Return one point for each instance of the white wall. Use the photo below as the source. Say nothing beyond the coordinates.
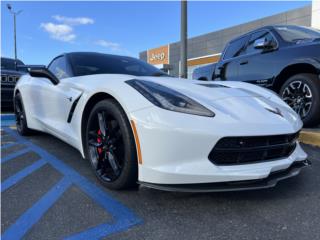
(315, 21)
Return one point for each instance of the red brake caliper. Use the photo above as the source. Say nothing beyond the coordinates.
(99, 141)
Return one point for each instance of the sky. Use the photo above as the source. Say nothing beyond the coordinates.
(47, 29)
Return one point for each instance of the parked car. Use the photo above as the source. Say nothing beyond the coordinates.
(136, 124)
(204, 73)
(285, 59)
(9, 77)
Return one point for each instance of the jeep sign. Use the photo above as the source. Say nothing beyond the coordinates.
(158, 55)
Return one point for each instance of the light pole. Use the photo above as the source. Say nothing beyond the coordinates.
(183, 40)
(14, 28)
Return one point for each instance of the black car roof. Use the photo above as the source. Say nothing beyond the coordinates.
(12, 59)
(92, 53)
(268, 27)
(88, 53)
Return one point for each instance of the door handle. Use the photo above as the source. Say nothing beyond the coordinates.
(69, 98)
(244, 62)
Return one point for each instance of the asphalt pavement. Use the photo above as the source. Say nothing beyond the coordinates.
(50, 192)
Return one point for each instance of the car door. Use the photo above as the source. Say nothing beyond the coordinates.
(257, 65)
(227, 68)
(54, 102)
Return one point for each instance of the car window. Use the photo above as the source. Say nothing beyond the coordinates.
(94, 63)
(255, 36)
(234, 48)
(297, 33)
(135, 69)
(59, 67)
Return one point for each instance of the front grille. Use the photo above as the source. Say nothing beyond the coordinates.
(9, 79)
(4, 79)
(241, 150)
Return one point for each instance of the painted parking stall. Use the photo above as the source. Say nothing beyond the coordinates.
(47, 197)
(7, 120)
(122, 217)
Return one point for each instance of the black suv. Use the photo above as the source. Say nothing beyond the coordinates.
(9, 77)
(283, 58)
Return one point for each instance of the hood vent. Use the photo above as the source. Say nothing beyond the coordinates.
(213, 85)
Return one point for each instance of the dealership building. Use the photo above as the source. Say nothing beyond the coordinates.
(206, 48)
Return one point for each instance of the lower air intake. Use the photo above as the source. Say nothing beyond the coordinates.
(243, 150)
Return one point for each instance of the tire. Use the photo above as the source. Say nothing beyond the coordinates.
(20, 115)
(111, 149)
(304, 99)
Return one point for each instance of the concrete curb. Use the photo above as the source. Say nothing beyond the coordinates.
(310, 137)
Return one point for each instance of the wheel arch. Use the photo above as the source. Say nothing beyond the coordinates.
(292, 70)
(16, 91)
(94, 99)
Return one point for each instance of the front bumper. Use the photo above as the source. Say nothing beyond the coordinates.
(270, 181)
(175, 147)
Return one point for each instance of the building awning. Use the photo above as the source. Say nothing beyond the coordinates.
(204, 60)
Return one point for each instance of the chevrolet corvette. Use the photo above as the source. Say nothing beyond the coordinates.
(137, 125)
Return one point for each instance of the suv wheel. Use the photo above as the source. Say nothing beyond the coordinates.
(302, 93)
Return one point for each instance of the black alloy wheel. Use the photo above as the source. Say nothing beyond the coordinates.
(110, 146)
(302, 93)
(298, 96)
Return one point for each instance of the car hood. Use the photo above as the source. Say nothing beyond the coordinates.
(200, 90)
(204, 91)
(237, 100)
(228, 99)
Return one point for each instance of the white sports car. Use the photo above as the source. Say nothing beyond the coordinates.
(135, 124)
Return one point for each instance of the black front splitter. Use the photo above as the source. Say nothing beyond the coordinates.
(268, 182)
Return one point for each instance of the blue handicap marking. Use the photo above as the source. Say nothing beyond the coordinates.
(33, 214)
(14, 155)
(8, 145)
(20, 175)
(7, 120)
(123, 218)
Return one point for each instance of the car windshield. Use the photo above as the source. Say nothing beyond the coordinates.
(95, 63)
(296, 33)
(9, 64)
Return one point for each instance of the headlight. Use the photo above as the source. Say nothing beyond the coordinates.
(169, 99)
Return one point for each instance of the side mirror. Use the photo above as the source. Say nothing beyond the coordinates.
(43, 72)
(262, 43)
